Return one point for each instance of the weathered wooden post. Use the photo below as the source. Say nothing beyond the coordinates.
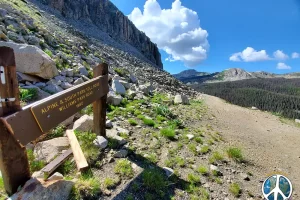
(13, 158)
(99, 106)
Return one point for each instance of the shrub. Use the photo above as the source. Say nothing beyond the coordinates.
(154, 180)
(235, 154)
(28, 94)
(235, 189)
(148, 121)
(132, 122)
(123, 167)
(168, 132)
(203, 170)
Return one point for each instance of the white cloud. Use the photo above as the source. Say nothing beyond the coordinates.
(250, 55)
(283, 66)
(295, 55)
(176, 30)
(279, 55)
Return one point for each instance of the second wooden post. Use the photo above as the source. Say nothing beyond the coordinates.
(99, 106)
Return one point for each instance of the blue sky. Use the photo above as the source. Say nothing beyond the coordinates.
(227, 29)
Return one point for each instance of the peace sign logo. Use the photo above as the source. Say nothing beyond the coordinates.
(277, 187)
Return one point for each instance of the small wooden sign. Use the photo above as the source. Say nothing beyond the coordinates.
(50, 112)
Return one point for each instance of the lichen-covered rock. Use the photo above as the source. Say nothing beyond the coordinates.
(32, 60)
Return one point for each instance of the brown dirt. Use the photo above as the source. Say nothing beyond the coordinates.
(271, 145)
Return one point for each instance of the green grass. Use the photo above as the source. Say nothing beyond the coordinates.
(67, 167)
(48, 52)
(160, 118)
(163, 111)
(35, 165)
(3, 194)
(28, 94)
(198, 140)
(235, 189)
(154, 180)
(235, 153)
(204, 149)
(123, 167)
(197, 193)
(113, 143)
(87, 110)
(120, 71)
(193, 178)
(215, 157)
(90, 151)
(152, 157)
(59, 131)
(141, 117)
(193, 148)
(86, 188)
(148, 122)
(110, 183)
(176, 161)
(203, 170)
(168, 132)
(129, 197)
(132, 122)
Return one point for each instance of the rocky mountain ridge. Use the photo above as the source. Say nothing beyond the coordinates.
(232, 74)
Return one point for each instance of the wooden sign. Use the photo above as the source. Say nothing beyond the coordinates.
(50, 112)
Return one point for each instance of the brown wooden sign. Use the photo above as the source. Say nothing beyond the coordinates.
(50, 112)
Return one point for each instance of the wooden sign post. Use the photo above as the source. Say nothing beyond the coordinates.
(13, 158)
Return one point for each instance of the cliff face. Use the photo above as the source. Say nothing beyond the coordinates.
(106, 16)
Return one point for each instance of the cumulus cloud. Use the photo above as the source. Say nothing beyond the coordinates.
(295, 55)
(176, 30)
(283, 66)
(250, 55)
(279, 55)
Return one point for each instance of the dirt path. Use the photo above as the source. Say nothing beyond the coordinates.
(272, 146)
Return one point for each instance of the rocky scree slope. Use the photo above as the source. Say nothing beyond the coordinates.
(103, 16)
(42, 41)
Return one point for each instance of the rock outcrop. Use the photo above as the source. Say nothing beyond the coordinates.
(107, 17)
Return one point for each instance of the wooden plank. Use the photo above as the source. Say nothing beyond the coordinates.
(77, 152)
(13, 158)
(9, 90)
(49, 113)
(99, 106)
(24, 125)
(53, 165)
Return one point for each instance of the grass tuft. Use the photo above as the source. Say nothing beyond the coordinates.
(235, 153)
(235, 189)
(148, 121)
(132, 122)
(168, 132)
(154, 180)
(123, 167)
(203, 170)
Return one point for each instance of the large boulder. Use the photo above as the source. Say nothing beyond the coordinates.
(84, 123)
(114, 99)
(181, 99)
(37, 189)
(118, 87)
(49, 149)
(32, 60)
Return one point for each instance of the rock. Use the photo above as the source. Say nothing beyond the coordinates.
(122, 130)
(118, 87)
(85, 78)
(68, 121)
(32, 60)
(42, 94)
(125, 84)
(254, 108)
(244, 176)
(78, 81)
(181, 99)
(112, 133)
(82, 70)
(47, 150)
(37, 189)
(131, 94)
(216, 169)
(70, 72)
(15, 37)
(121, 153)
(169, 172)
(114, 99)
(100, 142)
(52, 88)
(146, 89)
(132, 79)
(25, 77)
(190, 136)
(56, 176)
(33, 40)
(38, 174)
(108, 124)
(84, 123)
(297, 121)
(60, 78)
(3, 12)
(66, 85)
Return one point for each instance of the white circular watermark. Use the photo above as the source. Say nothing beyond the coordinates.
(277, 187)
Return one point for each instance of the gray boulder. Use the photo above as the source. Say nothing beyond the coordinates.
(78, 81)
(146, 89)
(66, 85)
(121, 153)
(113, 98)
(15, 37)
(125, 84)
(49, 149)
(84, 123)
(100, 142)
(82, 70)
(33, 40)
(32, 60)
(181, 99)
(53, 88)
(118, 87)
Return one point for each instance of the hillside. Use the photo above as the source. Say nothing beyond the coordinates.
(278, 95)
(232, 74)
